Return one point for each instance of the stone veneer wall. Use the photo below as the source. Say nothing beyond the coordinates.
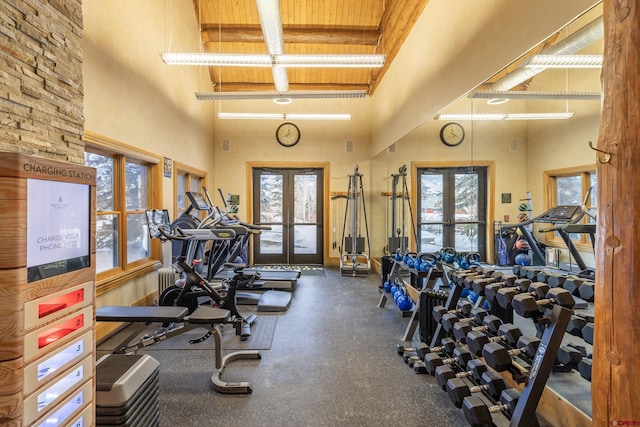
(41, 96)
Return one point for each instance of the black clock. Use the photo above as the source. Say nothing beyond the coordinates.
(288, 134)
(452, 134)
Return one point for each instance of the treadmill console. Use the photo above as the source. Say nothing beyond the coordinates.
(197, 201)
(562, 214)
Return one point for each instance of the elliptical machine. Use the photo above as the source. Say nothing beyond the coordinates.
(192, 287)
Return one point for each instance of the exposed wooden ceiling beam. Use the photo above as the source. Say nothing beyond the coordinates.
(253, 34)
(401, 16)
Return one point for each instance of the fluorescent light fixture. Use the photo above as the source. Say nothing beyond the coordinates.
(318, 116)
(278, 61)
(271, 116)
(510, 116)
(217, 59)
(565, 61)
(308, 94)
(271, 23)
(521, 94)
(330, 61)
(280, 79)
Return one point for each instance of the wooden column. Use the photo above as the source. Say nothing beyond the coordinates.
(616, 357)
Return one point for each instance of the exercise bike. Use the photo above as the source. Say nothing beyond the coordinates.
(192, 289)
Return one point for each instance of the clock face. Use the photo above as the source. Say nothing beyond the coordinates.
(452, 134)
(288, 134)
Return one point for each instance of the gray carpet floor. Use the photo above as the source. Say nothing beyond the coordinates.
(332, 362)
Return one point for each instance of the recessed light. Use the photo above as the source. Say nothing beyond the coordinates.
(282, 101)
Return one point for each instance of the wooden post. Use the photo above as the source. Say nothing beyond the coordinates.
(616, 361)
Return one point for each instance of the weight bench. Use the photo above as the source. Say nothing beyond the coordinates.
(209, 317)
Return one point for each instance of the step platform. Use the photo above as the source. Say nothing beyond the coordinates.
(127, 390)
(269, 301)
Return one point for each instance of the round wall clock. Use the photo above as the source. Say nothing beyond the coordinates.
(452, 134)
(288, 134)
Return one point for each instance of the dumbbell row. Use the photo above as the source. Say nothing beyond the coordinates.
(577, 286)
(464, 386)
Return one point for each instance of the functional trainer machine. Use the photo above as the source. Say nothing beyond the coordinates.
(354, 261)
(400, 203)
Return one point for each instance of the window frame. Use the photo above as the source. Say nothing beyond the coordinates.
(188, 173)
(551, 199)
(122, 153)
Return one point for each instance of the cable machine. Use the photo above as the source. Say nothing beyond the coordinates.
(353, 260)
(398, 238)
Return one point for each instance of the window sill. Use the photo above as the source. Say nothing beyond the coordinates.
(112, 281)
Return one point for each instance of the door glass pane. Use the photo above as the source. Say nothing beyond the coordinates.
(137, 237)
(106, 242)
(466, 237)
(180, 192)
(271, 200)
(271, 241)
(305, 199)
(431, 194)
(466, 196)
(569, 190)
(430, 237)
(104, 180)
(136, 186)
(305, 239)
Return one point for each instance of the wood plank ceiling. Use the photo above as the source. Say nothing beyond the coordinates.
(309, 27)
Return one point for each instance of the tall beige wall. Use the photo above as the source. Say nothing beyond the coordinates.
(132, 97)
(453, 47)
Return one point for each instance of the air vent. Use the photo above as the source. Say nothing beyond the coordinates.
(226, 145)
(348, 146)
(515, 145)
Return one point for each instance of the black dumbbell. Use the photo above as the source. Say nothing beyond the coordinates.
(478, 285)
(460, 355)
(584, 367)
(498, 356)
(475, 368)
(464, 308)
(508, 333)
(586, 291)
(491, 291)
(572, 284)
(575, 325)
(505, 296)
(477, 315)
(556, 280)
(527, 306)
(447, 345)
(490, 383)
(467, 282)
(531, 272)
(569, 356)
(543, 276)
(490, 323)
(478, 414)
(587, 333)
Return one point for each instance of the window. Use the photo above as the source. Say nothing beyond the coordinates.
(125, 188)
(571, 187)
(186, 179)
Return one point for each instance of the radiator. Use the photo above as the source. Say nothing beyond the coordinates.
(166, 278)
(428, 300)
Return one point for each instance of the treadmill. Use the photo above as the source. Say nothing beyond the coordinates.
(269, 301)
